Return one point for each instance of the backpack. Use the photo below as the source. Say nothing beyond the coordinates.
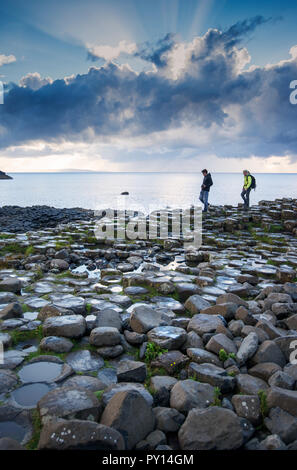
(253, 185)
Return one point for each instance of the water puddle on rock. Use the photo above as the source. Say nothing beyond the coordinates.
(27, 396)
(12, 430)
(40, 372)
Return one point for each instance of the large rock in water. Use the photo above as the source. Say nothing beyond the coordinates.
(68, 326)
(79, 435)
(129, 413)
(214, 428)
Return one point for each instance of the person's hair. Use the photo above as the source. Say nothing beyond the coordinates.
(204, 171)
(246, 171)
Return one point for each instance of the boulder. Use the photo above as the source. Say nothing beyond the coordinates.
(221, 341)
(248, 407)
(213, 375)
(284, 399)
(214, 428)
(105, 336)
(12, 310)
(202, 323)
(129, 413)
(77, 434)
(282, 423)
(144, 318)
(167, 337)
(196, 303)
(249, 385)
(70, 403)
(131, 371)
(109, 317)
(56, 344)
(168, 419)
(68, 326)
(11, 284)
(188, 394)
(247, 348)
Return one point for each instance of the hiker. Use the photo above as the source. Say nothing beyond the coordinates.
(249, 184)
(205, 187)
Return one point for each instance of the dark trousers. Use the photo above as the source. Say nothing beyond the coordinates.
(246, 197)
(204, 199)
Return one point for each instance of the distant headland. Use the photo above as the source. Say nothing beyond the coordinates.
(4, 176)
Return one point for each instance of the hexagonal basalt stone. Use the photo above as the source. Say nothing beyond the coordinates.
(105, 336)
(69, 402)
(56, 344)
(188, 394)
(131, 371)
(69, 301)
(79, 435)
(8, 380)
(69, 326)
(172, 361)
(167, 337)
(214, 428)
(84, 361)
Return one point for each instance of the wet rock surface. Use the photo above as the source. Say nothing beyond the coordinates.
(121, 344)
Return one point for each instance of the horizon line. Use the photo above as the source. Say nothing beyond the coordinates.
(145, 172)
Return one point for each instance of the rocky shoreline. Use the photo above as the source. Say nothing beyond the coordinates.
(18, 219)
(120, 344)
(4, 176)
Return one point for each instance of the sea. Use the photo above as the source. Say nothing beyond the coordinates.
(147, 191)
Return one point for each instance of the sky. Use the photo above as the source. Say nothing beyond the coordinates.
(132, 85)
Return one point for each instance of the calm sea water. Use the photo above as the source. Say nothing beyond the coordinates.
(147, 191)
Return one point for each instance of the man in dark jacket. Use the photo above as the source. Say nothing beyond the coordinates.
(205, 187)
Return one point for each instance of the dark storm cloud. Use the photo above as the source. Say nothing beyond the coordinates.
(155, 52)
(244, 112)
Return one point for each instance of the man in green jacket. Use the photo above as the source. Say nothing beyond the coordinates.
(246, 189)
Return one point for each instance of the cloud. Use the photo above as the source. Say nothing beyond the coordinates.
(109, 53)
(34, 81)
(199, 99)
(157, 52)
(6, 59)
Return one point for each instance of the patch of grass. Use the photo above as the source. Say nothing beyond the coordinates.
(223, 356)
(39, 352)
(20, 336)
(263, 403)
(274, 228)
(65, 274)
(6, 236)
(153, 351)
(37, 427)
(272, 263)
(88, 308)
(107, 364)
(193, 377)
(38, 274)
(29, 250)
(217, 400)
(25, 308)
(15, 248)
(99, 394)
